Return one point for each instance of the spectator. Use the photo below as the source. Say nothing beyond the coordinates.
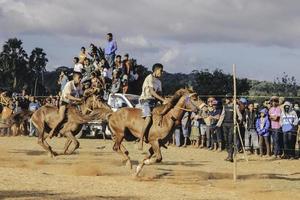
(275, 113)
(116, 82)
(82, 55)
(94, 52)
(262, 128)
(77, 66)
(289, 121)
(216, 136)
(110, 50)
(251, 137)
(63, 79)
(204, 121)
(195, 132)
(227, 122)
(297, 109)
(88, 69)
(33, 106)
(118, 63)
(209, 133)
(186, 125)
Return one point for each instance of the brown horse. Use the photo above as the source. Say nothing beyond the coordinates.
(6, 113)
(128, 121)
(44, 118)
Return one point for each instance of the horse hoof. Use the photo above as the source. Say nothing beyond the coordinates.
(138, 169)
(129, 164)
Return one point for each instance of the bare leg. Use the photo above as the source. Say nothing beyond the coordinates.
(61, 116)
(146, 125)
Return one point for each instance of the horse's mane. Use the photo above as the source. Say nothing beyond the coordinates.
(174, 99)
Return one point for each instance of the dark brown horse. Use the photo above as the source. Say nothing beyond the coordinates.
(128, 122)
(44, 118)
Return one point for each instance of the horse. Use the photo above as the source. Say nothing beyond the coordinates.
(128, 122)
(6, 113)
(44, 117)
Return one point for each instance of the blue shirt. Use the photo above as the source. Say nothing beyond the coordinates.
(111, 48)
(33, 106)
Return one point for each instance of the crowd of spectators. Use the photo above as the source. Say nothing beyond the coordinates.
(270, 129)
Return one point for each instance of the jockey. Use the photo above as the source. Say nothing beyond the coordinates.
(70, 94)
(150, 94)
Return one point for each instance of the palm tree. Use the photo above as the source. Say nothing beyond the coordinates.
(37, 64)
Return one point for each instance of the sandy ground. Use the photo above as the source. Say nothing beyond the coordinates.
(96, 172)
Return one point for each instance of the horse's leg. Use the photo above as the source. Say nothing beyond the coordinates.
(67, 145)
(73, 139)
(125, 153)
(42, 139)
(155, 149)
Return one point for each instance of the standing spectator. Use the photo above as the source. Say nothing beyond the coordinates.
(195, 132)
(275, 113)
(33, 106)
(289, 121)
(186, 127)
(110, 49)
(214, 116)
(63, 79)
(209, 133)
(82, 55)
(227, 122)
(251, 137)
(262, 128)
(204, 122)
(77, 66)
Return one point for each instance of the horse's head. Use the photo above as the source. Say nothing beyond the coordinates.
(187, 100)
(94, 102)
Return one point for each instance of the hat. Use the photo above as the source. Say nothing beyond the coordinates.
(214, 102)
(264, 110)
(287, 103)
(228, 96)
(243, 100)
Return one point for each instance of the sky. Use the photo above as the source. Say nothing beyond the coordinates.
(261, 37)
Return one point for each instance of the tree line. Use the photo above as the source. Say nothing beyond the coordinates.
(18, 71)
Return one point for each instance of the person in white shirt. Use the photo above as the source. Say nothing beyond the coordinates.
(150, 94)
(70, 94)
(78, 66)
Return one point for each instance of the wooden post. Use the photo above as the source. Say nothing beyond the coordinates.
(234, 125)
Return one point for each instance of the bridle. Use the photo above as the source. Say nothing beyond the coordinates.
(186, 102)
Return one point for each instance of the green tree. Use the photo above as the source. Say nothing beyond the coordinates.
(37, 64)
(14, 63)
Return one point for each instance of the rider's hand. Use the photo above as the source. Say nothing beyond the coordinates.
(166, 101)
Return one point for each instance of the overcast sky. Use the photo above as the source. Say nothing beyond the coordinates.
(262, 37)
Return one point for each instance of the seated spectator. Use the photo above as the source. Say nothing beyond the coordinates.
(94, 52)
(78, 67)
(289, 122)
(82, 55)
(118, 63)
(116, 82)
(88, 69)
(262, 128)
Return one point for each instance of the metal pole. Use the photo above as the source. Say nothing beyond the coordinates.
(234, 125)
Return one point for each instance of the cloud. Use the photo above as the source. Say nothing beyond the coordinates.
(170, 55)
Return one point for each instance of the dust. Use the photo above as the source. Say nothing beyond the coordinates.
(85, 170)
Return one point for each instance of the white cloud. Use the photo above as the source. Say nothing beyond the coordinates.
(170, 55)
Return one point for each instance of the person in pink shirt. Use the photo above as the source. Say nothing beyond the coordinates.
(276, 136)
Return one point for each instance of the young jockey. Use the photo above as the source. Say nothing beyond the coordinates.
(150, 94)
(70, 94)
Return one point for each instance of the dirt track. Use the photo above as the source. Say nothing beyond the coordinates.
(96, 172)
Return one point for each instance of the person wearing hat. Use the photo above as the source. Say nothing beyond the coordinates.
(216, 136)
(289, 122)
(204, 122)
(226, 122)
(276, 136)
(262, 127)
